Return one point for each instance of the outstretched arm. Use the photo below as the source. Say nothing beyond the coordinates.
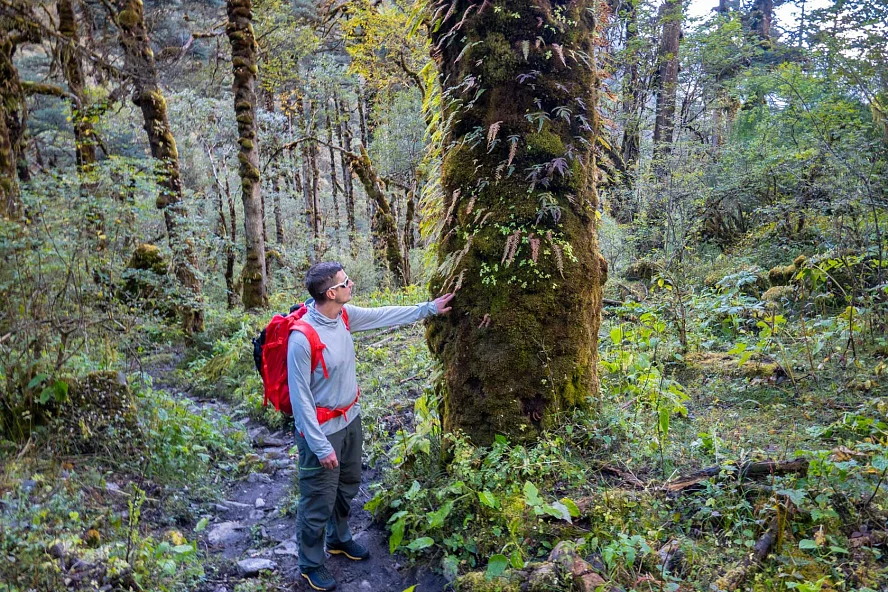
(365, 319)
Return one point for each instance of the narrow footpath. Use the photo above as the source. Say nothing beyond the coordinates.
(253, 528)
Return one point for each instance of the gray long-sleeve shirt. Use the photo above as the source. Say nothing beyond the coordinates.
(309, 390)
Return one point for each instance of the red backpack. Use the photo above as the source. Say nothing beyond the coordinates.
(270, 357)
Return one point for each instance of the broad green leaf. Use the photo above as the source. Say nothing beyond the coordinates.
(560, 511)
(436, 518)
(183, 549)
(807, 544)
(450, 567)
(664, 421)
(515, 559)
(572, 508)
(496, 565)
(201, 524)
(37, 380)
(397, 535)
(532, 494)
(421, 543)
(616, 335)
(488, 499)
(414, 489)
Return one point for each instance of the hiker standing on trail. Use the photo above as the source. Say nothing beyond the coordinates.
(327, 413)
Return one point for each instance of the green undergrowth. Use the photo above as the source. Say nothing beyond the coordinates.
(123, 516)
(702, 372)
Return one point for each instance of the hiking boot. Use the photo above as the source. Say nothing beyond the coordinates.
(350, 549)
(320, 579)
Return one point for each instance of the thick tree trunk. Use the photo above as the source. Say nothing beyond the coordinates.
(666, 82)
(521, 342)
(343, 133)
(243, 58)
(140, 67)
(385, 238)
(11, 94)
(84, 135)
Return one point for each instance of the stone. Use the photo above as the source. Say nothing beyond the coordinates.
(365, 585)
(287, 548)
(248, 568)
(257, 515)
(260, 503)
(584, 577)
(226, 533)
(221, 508)
(258, 478)
(236, 505)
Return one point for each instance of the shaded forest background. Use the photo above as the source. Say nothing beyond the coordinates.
(171, 169)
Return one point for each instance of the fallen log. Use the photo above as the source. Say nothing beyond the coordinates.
(749, 470)
(736, 576)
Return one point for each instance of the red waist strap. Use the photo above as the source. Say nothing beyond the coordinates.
(325, 414)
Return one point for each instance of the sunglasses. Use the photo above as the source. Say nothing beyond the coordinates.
(342, 284)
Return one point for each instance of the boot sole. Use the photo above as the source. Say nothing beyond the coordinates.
(307, 579)
(341, 552)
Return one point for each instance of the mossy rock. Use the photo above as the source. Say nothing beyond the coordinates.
(147, 257)
(642, 270)
(778, 294)
(99, 412)
(725, 364)
(476, 581)
(782, 275)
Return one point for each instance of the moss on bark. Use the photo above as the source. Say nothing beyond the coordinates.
(518, 240)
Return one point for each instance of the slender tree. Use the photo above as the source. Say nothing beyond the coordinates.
(518, 241)
(343, 134)
(140, 68)
(243, 61)
(666, 83)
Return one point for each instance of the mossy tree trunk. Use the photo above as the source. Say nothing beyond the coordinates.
(84, 135)
(633, 97)
(666, 83)
(10, 94)
(16, 27)
(517, 242)
(243, 59)
(385, 239)
(140, 67)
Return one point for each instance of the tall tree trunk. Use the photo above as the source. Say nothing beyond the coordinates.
(520, 344)
(84, 135)
(362, 117)
(385, 238)
(666, 82)
(140, 67)
(333, 181)
(631, 93)
(761, 15)
(243, 58)
(343, 132)
(11, 96)
(278, 213)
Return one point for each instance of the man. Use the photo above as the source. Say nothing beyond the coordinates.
(330, 450)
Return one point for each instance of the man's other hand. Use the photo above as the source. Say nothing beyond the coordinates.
(330, 461)
(441, 303)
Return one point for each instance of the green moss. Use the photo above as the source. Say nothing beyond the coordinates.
(781, 275)
(545, 143)
(245, 143)
(500, 59)
(458, 168)
(128, 18)
(476, 582)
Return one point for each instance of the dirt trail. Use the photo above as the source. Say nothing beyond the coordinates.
(250, 527)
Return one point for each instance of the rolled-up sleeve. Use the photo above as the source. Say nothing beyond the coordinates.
(299, 381)
(365, 319)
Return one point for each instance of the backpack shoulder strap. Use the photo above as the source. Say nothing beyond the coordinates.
(314, 342)
(345, 318)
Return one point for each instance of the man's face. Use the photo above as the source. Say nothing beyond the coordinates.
(341, 291)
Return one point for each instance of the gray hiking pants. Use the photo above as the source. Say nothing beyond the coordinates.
(326, 494)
